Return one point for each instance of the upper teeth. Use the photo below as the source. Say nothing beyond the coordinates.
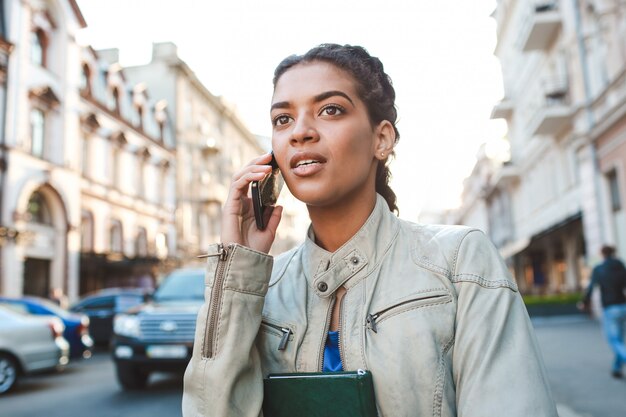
(306, 162)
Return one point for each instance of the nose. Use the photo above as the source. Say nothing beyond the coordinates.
(303, 131)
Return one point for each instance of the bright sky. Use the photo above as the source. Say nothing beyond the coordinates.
(439, 54)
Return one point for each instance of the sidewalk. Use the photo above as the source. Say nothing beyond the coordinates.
(578, 360)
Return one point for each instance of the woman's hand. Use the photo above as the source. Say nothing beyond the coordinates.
(238, 224)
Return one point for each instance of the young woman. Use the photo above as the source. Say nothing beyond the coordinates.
(431, 311)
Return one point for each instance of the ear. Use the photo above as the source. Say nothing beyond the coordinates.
(385, 140)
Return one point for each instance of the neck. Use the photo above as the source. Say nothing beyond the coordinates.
(335, 225)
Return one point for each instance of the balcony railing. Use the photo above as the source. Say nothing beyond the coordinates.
(555, 113)
(541, 26)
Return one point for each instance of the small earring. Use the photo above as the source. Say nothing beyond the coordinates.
(382, 154)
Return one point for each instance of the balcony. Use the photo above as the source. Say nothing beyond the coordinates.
(507, 175)
(541, 26)
(502, 110)
(555, 113)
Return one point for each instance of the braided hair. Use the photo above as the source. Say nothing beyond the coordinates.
(373, 87)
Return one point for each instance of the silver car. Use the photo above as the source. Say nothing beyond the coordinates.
(28, 344)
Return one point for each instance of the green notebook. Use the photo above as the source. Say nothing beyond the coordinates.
(319, 394)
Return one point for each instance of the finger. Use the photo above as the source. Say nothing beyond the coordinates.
(274, 220)
(261, 160)
(242, 183)
(265, 169)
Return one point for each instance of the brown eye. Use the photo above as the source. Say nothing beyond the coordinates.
(281, 120)
(332, 110)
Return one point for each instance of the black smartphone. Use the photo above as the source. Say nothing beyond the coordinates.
(265, 193)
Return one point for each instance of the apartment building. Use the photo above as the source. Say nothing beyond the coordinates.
(128, 178)
(41, 188)
(560, 195)
(212, 143)
(88, 196)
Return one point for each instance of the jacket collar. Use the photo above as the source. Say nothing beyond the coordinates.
(326, 271)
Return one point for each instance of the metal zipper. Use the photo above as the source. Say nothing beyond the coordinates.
(341, 353)
(287, 332)
(371, 318)
(325, 334)
(216, 298)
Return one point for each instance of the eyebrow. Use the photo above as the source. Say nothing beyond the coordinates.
(320, 97)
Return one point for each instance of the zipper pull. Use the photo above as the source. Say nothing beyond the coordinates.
(285, 339)
(222, 252)
(371, 322)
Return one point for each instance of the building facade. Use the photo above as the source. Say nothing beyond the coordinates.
(558, 198)
(40, 193)
(212, 143)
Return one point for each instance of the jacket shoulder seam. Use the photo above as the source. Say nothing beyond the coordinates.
(477, 279)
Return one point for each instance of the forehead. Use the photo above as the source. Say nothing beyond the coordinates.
(312, 78)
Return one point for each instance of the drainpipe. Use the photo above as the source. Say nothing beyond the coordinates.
(582, 53)
(3, 155)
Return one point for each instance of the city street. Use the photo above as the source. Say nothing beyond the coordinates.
(579, 362)
(89, 388)
(576, 355)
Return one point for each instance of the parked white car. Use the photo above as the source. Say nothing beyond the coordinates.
(29, 344)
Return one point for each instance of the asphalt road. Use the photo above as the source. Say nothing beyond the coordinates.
(89, 388)
(577, 359)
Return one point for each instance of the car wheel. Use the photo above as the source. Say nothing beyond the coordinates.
(8, 373)
(130, 377)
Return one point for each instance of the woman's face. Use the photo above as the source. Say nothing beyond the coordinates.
(322, 137)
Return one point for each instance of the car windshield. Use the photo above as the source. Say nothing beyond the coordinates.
(182, 285)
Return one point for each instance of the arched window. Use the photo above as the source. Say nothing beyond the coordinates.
(38, 210)
(116, 237)
(38, 46)
(141, 243)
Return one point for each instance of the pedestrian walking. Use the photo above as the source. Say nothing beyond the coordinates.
(610, 277)
(431, 311)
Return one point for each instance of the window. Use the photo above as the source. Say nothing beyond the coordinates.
(37, 132)
(116, 166)
(38, 44)
(85, 155)
(116, 101)
(614, 194)
(116, 237)
(86, 231)
(38, 210)
(140, 117)
(141, 243)
(85, 80)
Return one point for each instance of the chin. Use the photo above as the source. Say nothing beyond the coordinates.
(313, 194)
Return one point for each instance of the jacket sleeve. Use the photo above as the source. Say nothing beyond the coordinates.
(223, 378)
(497, 365)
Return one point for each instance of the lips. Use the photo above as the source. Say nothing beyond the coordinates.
(307, 163)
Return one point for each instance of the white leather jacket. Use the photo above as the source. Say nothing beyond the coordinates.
(431, 310)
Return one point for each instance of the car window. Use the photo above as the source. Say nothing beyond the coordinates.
(17, 307)
(106, 303)
(49, 307)
(126, 301)
(182, 285)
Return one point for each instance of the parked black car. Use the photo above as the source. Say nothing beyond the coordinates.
(103, 305)
(158, 336)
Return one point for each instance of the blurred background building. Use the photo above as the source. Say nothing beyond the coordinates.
(110, 176)
(558, 195)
